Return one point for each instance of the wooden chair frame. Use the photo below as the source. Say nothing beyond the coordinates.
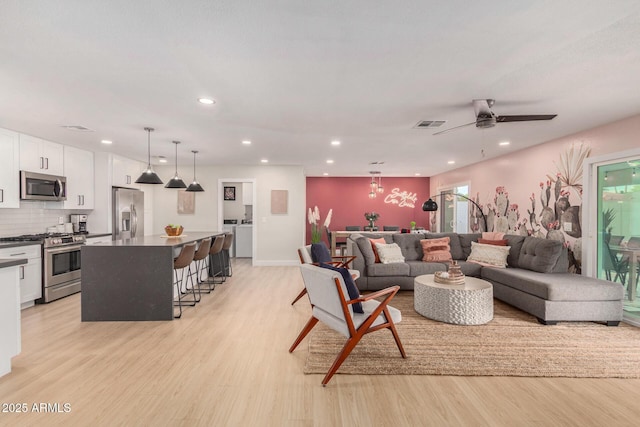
(346, 261)
(357, 334)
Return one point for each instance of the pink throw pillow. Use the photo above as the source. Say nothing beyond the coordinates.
(492, 235)
(373, 245)
(502, 242)
(436, 250)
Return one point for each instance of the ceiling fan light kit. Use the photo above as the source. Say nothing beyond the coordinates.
(486, 118)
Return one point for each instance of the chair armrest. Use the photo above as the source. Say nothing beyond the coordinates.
(377, 294)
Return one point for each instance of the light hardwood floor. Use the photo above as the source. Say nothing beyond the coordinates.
(226, 363)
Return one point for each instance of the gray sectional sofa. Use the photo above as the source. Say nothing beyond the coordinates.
(535, 281)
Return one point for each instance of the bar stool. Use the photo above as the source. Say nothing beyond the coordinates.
(226, 265)
(200, 258)
(214, 251)
(182, 261)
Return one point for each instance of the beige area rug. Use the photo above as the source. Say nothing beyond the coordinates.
(512, 344)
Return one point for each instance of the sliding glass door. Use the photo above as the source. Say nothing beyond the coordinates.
(618, 228)
(454, 210)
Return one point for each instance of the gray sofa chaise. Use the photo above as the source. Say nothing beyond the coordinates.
(536, 279)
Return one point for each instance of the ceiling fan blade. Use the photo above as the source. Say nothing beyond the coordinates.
(454, 128)
(525, 118)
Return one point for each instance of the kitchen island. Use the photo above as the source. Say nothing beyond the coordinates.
(131, 279)
(10, 341)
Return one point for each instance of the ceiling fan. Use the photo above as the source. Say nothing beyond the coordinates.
(485, 118)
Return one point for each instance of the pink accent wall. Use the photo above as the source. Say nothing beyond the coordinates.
(349, 199)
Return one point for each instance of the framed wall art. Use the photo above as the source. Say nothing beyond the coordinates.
(186, 202)
(229, 193)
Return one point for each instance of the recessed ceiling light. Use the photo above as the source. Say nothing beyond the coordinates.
(162, 159)
(264, 161)
(106, 141)
(417, 174)
(329, 161)
(451, 162)
(246, 142)
(503, 143)
(206, 101)
(326, 174)
(335, 142)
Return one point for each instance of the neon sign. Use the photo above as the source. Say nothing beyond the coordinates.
(404, 199)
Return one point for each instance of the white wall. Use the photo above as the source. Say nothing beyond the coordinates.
(277, 236)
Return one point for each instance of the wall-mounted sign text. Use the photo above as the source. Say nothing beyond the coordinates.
(401, 198)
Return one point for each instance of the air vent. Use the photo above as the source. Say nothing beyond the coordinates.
(429, 124)
(77, 128)
(376, 163)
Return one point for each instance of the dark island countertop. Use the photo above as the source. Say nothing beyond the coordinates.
(12, 262)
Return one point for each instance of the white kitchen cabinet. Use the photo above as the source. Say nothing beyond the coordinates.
(98, 240)
(78, 168)
(125, 172)
(244, 241)
(9, 169)
(10, 336)
(247, 193)
(38, 155)
(30, 273)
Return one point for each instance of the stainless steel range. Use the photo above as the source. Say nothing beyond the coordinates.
(61, 263)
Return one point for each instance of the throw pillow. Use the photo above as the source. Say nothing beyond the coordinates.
(489, 255)
(373, 246)
(501, 242)
(390, 253)
(320, 252)
(492, 235)
(352, 289)
(436, 250)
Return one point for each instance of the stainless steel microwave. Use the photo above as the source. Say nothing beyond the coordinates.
(38, 186)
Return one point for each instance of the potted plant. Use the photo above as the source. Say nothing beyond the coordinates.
(372, 217)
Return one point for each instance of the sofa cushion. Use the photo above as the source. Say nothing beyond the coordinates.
(489, 255)
(436, 250)
(515, 241)
(389, 254)
(410, 245)
(365, 248)
(454, 243)
(556, 286)
(539, 255)
(470, 268)
(465, 243)
(395, 269)
(418, 268)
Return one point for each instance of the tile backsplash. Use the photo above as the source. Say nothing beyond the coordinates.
(32, 217)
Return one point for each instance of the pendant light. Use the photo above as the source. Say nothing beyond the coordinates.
(149, 176)
(176, 181)
(194, 186)
(380, 187)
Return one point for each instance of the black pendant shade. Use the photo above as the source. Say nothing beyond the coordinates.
(430, 206)
(149, 176)
(176, 181)
(194, 186)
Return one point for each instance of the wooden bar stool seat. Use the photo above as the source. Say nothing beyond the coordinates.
(182, 261)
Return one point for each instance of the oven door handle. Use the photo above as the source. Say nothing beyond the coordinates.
(62, 249)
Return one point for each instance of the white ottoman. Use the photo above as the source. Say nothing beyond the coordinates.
(467, 304)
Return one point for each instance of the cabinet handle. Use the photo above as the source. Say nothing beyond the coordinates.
(82, 200)
(1, 195)
(79, 200)
(19, 253)
(46, 162)
(128, 179)
(41, 162)
(22, 272)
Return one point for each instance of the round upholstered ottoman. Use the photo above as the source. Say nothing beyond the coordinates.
(467, 304)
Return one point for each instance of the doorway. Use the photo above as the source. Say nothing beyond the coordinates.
(236, 213)
(614, 231)
(454, 210)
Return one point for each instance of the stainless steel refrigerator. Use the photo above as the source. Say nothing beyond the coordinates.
(128, 213)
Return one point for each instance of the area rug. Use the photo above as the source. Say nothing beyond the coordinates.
(512, 344)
